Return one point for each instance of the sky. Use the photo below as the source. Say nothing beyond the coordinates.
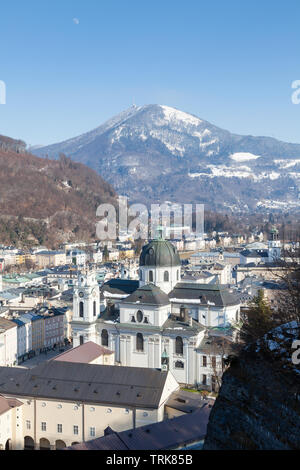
(69, 65)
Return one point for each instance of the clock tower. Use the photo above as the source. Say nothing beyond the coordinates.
(86, 308)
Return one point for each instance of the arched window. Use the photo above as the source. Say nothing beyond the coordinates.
(179, 365)
(166, 276)
(139, 342)
(150, 276)
(81, 309)
(139, 316)
(179, 345)
(94, 308)
(104, 338)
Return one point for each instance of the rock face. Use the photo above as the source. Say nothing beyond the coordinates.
(258, 406)
(156, 153)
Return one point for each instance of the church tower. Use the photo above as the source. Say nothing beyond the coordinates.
(86, 308)
(274, 246)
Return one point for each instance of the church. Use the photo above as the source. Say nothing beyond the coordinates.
(159, 321)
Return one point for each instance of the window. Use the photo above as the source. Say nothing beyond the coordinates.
(81, 309)
(28, 424)
(204, 361)
(179, 345)
(213, 361)
(92, 432)
(141, 275)
(104, 338)
(166, 276)
(75, 429)
(139, 316)
(237, 315)
(177, 274)
(139, 342)
(132, 319)
(182, 312)
(146, 320)
(59, 428)
(204, 379)
(179, 365)
(150, 276)
(81, 340)
(94, 308)
(43, 426)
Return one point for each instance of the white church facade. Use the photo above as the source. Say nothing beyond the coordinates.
(158, 321)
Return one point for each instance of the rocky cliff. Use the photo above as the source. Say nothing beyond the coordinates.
(258, 406)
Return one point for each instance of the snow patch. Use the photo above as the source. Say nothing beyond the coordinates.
(243, 156)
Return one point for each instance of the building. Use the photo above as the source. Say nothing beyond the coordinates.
(65, 403)
(50, 258)
(10, 410)
(185, 432)
(158, 321)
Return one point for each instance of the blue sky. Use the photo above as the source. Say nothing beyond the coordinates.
(229, 62)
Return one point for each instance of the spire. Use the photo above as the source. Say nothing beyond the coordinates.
(160, 232)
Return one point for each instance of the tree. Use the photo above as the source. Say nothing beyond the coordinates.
(258, 318)
(105, 253)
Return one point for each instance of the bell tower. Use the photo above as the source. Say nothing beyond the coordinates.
(274, 246)
(86, 308)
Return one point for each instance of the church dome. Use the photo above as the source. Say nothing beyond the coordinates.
(159, 253)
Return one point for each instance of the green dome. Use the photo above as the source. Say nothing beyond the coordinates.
(159, 253)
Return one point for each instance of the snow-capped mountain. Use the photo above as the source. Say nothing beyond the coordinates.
(156, 153)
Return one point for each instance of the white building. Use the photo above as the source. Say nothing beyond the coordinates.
(8, 343)
(158, 321)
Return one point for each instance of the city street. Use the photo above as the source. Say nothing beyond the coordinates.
(39, 359)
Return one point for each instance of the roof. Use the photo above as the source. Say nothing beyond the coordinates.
(168, 434)
(112, 385)
(6, 324)
(254, 253)
(207, 294)
(85, 353)
(159, 253)
(148, 294)
(7, 403)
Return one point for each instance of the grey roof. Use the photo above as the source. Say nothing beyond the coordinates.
(216, 294)
(168, 434)
(254, 253)
(148, 294)
(120, 286)
(92, 383)
(159, 253)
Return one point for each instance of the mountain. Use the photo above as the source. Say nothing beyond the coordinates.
(156, 153)
(47, 201)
